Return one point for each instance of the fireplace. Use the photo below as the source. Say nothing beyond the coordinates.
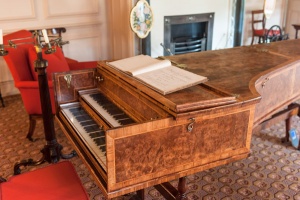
(188, 33)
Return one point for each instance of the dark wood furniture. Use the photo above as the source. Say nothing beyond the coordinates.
(297, 27)
(184, 132)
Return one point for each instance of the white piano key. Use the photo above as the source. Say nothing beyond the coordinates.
(89, 142)
(101, 111)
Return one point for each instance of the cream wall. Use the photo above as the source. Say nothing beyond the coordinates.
(277, 18)
(221, 32)
(88, 25)
(85, 21)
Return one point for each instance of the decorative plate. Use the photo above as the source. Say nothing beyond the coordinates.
(141, 19)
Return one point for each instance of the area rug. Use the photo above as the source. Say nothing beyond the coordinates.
(272, 171)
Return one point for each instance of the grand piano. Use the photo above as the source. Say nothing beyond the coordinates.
(131, 137)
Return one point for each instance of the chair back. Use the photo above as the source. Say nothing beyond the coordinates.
(258, 20)
(17, 58)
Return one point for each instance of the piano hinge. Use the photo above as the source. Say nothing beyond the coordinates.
(264, 82)
(99, 78)
(68, 78)
(191, 125)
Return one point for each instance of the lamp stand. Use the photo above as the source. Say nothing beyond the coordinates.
(52, 150)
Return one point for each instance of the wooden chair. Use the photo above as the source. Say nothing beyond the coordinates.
(56, 181)
(258, 26)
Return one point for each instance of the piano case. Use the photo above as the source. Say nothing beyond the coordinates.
(175, 135)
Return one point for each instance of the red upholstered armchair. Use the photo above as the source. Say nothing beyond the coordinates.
(56, 181)
(20, 61)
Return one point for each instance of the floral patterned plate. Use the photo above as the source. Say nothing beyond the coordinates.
(141, 19)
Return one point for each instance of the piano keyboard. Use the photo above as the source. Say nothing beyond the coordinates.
(108, 110)
(90, 132)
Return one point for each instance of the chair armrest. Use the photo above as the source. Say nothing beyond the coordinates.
(70, 60)
(75, 65)
(30, 94)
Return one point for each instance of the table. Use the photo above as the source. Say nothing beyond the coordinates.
(297, 27)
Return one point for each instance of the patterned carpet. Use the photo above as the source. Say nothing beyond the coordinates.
(271, 172)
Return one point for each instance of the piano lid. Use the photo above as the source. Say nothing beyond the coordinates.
(190, 99)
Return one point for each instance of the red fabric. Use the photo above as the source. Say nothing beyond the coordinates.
(56, 181)
(56, 62)
(17, 58)
(30, 94)
(75, 65)
(274, 32)
(260, 32)
(20, 68)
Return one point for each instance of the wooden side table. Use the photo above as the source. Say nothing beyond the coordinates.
(297, 27)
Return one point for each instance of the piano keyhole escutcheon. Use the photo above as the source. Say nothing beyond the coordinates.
(191, 125)
(264, 82)
(68, 78)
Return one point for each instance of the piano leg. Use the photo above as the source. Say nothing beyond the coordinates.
(171, 193)
(141, 194)
(181, 189)
(288, 123)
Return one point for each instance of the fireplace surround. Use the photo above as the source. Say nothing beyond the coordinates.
(188, 33)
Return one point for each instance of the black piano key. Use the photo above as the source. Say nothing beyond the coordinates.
(121, 116)
(74, 110)
(81, 118)
(108, 107)
(99, 141)
(112, 109)
(92, 128)
(115, 111)
(97, 134)
(126, 121)
(87, 123)
(103, 148)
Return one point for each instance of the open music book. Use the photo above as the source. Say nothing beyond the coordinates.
(159, 75)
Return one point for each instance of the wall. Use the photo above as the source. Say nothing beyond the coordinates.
(163, 8)
(85, 20)
(277, 18)
(87, 25)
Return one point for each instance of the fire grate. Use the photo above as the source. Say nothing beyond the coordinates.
(188, 33)
(184, 45)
